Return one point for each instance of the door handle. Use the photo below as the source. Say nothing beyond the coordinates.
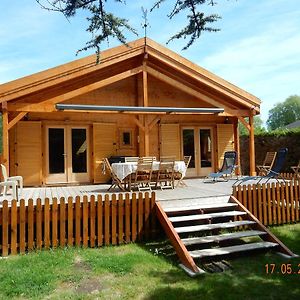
(64, 154)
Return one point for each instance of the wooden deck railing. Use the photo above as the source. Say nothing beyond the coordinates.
(289, 176)
(92, 222)
(273, 204)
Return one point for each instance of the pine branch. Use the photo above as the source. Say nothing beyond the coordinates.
(104, 25)
(197, 21)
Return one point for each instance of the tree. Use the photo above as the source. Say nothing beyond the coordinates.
(284, 113)
(258, 126)
(104, 24)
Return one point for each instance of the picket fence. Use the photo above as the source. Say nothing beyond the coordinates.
(90, 222)
(273, 204)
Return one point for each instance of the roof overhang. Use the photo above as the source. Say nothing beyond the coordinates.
(138, 110)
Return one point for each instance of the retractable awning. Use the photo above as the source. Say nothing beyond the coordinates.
(139, 109)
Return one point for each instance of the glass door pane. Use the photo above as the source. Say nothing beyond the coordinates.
(56, 150)
(189, 145)
(205, 148)
(79, 150)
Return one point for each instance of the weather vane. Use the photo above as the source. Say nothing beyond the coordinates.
(145, 18)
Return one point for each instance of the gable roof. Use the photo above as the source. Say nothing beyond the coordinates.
(139, 55)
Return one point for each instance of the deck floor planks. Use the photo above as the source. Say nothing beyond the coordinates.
(30, 193)
(54, 192)
(36, 193)
(207, 227)
(48, 193)
(231, 249)
(42, 193)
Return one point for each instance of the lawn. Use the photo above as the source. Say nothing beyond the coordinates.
(140, 271)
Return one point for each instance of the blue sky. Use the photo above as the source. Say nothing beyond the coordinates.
(258, 47)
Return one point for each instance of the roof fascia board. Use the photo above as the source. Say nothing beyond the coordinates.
(69, 71)
(205, 77)
(194, 92)
(48, 104)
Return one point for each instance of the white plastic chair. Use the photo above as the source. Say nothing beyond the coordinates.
(17, 179)
(14, 187)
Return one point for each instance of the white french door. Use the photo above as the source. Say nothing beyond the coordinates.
(197, 143)
(67, 154)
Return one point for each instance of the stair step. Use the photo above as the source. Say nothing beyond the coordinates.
(221, 237)
(231, 249)
(197, 228)
(198, 207)
(207, 216)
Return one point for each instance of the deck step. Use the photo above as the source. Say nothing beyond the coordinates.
(207, 216)
(231, 249)
(198, 228)
(221, 237)
(199, 207)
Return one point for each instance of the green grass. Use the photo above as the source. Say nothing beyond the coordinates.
(138, 272)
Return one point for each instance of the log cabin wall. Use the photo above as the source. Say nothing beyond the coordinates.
(144, 74)
(124, 93)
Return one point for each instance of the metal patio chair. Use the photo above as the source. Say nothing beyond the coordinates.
(274, 172)
(227, 169)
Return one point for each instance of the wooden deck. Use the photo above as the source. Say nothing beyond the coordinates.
(196, 189)
(196, 192)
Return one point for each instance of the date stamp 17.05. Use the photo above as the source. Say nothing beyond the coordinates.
(283, 268)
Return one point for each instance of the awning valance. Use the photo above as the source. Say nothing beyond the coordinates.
(139, 109)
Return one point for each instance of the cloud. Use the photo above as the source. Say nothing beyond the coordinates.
(266, 64)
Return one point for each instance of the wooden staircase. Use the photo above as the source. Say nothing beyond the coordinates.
(204, 232)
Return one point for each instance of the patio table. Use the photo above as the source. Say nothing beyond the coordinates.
(123, 169)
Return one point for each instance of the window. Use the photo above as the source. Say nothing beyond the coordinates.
(126, 138)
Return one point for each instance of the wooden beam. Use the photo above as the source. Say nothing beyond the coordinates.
(235, 113)
(243, 121)
(215, 83)
(153, 122)
(69, 71)
(237, 145)
(251, 146)
(49, 104)
(183, 87)
(145, 85)
(5, 137)
(175, 240)
(139, 124)
(16, 119)
(146, 103)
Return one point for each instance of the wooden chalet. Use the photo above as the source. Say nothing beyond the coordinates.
(142, 99)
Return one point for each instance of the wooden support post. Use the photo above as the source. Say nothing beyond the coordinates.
(146, 103)
(147, 142)
(247, 126)
(16, 119)
(237, 145)
(251, 146)
(176, 241)
(145, 85)
(5, 141)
